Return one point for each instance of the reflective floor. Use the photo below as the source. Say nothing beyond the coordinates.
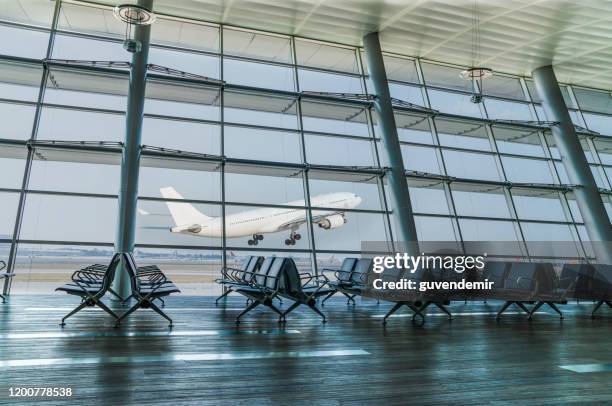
(353, 359)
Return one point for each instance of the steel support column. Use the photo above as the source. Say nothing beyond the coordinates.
(399, 198)
(587, 194)
(130, 158)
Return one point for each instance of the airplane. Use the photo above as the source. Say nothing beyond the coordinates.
(255, 223)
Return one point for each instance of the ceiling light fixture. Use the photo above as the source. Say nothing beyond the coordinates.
(476, 74)
(133, 15)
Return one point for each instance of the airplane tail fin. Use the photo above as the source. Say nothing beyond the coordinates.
(182, 213)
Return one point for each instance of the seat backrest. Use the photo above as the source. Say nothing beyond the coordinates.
(496, 271)
(132, 270)
(362, 267)
(251, 266)
(545, 278)
(260, 274)
(274, 275)
(347, 269)
(522, 276)
(291, 282)
(109, 275)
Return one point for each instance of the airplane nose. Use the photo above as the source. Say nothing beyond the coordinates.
(357, 200)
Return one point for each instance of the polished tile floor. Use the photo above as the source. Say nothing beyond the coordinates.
(353, 359)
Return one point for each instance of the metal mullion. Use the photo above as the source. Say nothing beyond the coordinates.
(222, 150)
(19, 102)
(305, 178)
(183, 119)
(61, 242)
(433, 129)
(28, 165)
(345, 136)
(31, 27)
(82, 108)
(71, 194)
(507, 193)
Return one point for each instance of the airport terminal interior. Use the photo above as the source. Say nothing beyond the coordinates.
(185, 145)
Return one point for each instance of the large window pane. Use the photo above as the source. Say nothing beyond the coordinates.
(260, 109)
(265, 145)
(19, 81)
(594, 100)
(69, 218)
(191, 62)
(599, 123)
(12, 164)
(527, 170)
(326, 150)
(40, 268)
(454, 103)
(60, 174)
(480, 200)
(253, 74)
(32, 12)
(434, 228)
(185, 135)
(282, 190)
(470, 165)
(26, 43)
(334, 118)
(73, 125)
(9, 203)
(182, 33)
(279, 223)
(256, 45)
(194, 270)
(519, 141)
(419, 159)
(17, 121)
(318, 81)
(463, 134)
(427, 196)
(538, 205)
(192, 179)
(87, 49)
(155, 220)
(506, 110)
(169, 98)
(359, 227)
(320, 55)
(410, 127)
(367, 189)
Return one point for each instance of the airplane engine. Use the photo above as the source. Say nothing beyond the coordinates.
(194, 228)
(334, 221)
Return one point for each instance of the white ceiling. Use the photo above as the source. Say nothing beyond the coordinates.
(517, 36)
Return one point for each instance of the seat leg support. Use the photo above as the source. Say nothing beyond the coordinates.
(250, 307)
(159, 311)
(328, 296)
(227, 292)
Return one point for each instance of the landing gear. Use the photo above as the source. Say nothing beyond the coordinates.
(256, 239)
(293, 237)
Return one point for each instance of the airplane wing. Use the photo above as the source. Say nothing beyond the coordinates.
(294, 225)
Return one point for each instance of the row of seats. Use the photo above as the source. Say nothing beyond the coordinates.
(516, 283)
(147, 284)
(262, 281)
(4, 275)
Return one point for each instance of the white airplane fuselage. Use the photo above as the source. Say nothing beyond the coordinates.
(272, 220)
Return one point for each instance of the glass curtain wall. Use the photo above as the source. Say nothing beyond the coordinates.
(242, 123)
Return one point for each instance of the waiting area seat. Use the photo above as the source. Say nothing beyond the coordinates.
(279, 277)
(91, 293)
(350, 280)
(232, 278)
(92, 283)
(4, 275)
(145, 293)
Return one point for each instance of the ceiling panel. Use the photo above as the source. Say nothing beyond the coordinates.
(517, 36)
